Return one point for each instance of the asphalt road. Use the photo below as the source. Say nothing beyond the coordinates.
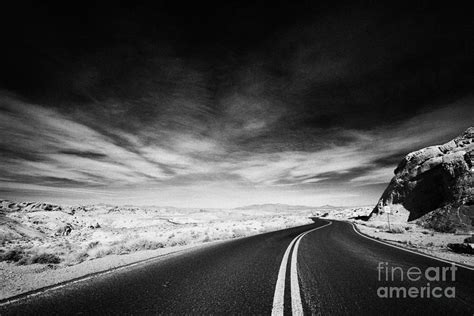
(336, 271)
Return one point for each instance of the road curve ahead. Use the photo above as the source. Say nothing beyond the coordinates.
(323, 268)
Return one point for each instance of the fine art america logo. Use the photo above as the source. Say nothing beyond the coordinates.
(417, 283)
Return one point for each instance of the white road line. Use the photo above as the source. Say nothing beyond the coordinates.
(296, 306)
(415, 252)
(279, 296)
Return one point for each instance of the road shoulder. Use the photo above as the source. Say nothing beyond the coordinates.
(419, 241)
(18, 281)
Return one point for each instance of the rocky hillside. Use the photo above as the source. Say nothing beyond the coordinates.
(434, 186)
(9, 206)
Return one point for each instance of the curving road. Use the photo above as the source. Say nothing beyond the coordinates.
(323, 268)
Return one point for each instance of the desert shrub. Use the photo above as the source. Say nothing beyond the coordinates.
(121, 250)
(444, 226)
(13, 255)
(102, 252)
(23, 261)
(45, 258)
(81, 256)
(124, 247)
(93, 244)
(179, 241)
(145, 244)
(396, 229)
(440, 223)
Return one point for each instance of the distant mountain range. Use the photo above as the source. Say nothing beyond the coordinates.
(10, 206)
(286, 207)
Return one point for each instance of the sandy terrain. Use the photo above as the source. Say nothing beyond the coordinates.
(36, 251)
(412, 236)
(104, 237)
(98, 231)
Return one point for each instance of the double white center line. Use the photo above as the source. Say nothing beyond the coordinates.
(279, 297)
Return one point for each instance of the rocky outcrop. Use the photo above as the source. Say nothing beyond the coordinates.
(9, 206)
(462, 248)
(434, 185)
(64, 230)
(12, 229)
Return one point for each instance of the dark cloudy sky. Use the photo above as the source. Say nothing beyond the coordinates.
(217, 106)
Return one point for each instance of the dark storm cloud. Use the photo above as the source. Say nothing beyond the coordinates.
(276, 95)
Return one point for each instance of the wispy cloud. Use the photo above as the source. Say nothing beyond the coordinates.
(43, 149)
(47, 144)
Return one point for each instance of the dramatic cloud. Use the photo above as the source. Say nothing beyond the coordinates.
(43, 150)
(292, 104)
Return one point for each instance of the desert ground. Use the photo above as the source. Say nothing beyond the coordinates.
(43, 244)
(412, 236)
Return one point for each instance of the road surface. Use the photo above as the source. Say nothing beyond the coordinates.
(323, 268)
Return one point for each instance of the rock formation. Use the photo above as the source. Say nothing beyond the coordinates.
(7, 206)
(434, 185)
(64, 230)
